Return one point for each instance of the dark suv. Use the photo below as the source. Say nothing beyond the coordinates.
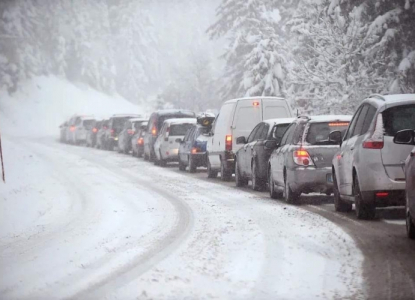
(154, 125)
(115, 126)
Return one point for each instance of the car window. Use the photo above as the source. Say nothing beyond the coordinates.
(278, 132)
(179, 129)
(298, 133)
(368, 119)
(398, 118)
(88, 124)
(253, 133)
(78, 121)
(247, 117)
(258, 132)
(318, 133)
(287, 134)
(264, 132)
(186, 137)
(352, 124)
(359, 123)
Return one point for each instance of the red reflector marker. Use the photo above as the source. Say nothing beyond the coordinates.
(373, 144)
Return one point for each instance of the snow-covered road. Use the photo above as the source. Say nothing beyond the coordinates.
(79, 223)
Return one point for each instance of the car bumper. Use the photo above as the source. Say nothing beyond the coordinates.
(310, 179)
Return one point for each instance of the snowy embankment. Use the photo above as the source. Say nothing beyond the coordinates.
(43, 103)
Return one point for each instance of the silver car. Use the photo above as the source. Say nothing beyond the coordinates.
(302, 161)
(367, 170)
(166, 147)
(407, 137)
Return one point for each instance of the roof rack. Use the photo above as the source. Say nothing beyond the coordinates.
(378, 96)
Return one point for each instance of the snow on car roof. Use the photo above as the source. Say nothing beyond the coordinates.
(279, 121)
(254, 98)
(126, 115)
(181, 121)
(137, 120)
(329, 118)
(173, 111)
(398, 97)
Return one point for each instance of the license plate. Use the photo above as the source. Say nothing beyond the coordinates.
(329, 178)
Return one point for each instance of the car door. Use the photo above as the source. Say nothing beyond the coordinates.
(347, 153)
(278, 155)
(258, 152)
(244, 154)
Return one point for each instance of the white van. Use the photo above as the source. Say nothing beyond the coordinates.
(237, 118)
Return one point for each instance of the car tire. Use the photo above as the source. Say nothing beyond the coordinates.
(258, 184)
(182, 167)
(225, 175)
(364, 210)
(339, 204)
(192, 165)
(240, 181)
(290, 196)
(211, 173)
(273, 193)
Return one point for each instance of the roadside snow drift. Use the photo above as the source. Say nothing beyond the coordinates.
(43, 103)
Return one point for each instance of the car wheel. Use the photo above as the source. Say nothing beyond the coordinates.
(225, 174)
(192, 165)
(273, 193)
(240, 181)
(211, 173)
(364, 210)
(339, 204)
(258, 184)
(290, 196)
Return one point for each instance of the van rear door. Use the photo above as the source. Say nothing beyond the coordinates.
(273, 108)
(247, 115)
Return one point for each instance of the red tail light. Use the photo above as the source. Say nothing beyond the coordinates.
(166, 136)
(302, 158)
(94, 130)
(376, 140)
(195, 150)
(130, 131)
(154, 131)
(72, 128)
(382, 194)
(140, 141)
(228, 143)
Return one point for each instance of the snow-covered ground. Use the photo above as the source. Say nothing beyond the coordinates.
(79, 223)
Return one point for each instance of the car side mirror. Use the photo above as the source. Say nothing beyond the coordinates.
(271, 144)
(179, 141)
(240, 140)
(335, 137)
(405, 136)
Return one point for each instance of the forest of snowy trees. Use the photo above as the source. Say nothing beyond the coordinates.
(323, 55)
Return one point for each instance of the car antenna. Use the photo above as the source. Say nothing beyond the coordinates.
(2, 165)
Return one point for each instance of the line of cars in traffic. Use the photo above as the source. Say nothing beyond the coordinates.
(365, 159)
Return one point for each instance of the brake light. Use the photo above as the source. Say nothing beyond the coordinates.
(195, 150)
(72, 128)
(376, 140)
(154, 131)
(130, 131)
(166, 135)
(302, 157)
(255, 103)
(140, 141)
(382, 194)
(339, 124)
(228, 143)
(94, 130)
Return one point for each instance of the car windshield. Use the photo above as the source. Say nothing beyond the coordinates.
(179, 129)
(398, 118)
(318, 133)
(118, 123)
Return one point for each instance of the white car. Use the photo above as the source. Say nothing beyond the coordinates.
(237, 118)
(78, 128)
(166, 147)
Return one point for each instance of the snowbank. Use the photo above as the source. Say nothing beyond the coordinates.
(43, 103)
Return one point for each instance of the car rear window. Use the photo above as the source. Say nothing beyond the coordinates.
(161, 119)
(88, 124)
(179, 129)
(318, 133)
(398, 118)
(118, 123)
